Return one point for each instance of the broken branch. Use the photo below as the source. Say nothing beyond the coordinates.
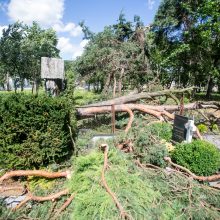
(200, 178)
(31, 197)
(123, 213)
(40, 173)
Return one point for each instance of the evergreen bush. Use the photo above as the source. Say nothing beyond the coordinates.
(200, 157)
(148, 147)
(34, 131)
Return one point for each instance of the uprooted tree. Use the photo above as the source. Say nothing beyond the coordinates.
(129, 103)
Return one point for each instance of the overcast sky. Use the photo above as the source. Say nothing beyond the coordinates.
(64, 16)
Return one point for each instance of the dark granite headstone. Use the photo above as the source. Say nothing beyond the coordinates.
(179, 130)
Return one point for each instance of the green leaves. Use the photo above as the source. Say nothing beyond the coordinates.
(200, 157)
(186, 34)
(33, 131)
(21, 48)
(116, 56)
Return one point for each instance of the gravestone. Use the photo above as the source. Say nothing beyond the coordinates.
(183, 129)
(179, 128)
(52, 70)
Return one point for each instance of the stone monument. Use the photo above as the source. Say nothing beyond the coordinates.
(52, 71)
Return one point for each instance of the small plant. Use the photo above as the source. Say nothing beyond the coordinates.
(215, 128)
(161, 130)
(200, 157)
(202, 128)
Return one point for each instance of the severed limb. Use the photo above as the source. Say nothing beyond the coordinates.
(123, 213)
(39, 173)
(199, 178)
(31, 197)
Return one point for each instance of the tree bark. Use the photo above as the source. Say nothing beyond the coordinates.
(143, 95)
(40, 173)
(120, 81)
(107, 83)
(31, 197)
(210, 87)
(199, 178)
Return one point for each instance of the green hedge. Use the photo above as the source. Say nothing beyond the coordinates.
(201, 157)
(34, 131)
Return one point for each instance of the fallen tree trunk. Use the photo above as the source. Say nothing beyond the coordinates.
(40, 173)
(157, 111)
(88, 111)
(143, 95)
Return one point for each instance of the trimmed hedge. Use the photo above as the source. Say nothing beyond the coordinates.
(201, 157)
(34, 131)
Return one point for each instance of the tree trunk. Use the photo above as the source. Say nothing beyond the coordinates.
(135, 97)
(210, 87)
(22, 85)
(107, 83)
(114, 86)
(7, 83)
(15, 85)
(120, 81)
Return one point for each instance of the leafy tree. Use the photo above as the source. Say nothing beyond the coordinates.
(21, 49)
(115, 58)
(186, 35)
(10, 51)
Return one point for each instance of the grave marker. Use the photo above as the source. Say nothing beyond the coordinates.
(183, 129)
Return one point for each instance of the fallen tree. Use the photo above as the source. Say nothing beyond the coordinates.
(130, 98)
(160, 112)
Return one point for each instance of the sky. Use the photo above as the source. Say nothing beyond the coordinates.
(64, 16)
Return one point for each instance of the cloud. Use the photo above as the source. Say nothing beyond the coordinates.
(1, 30)
(73, 29)
(150, 4)
(3, 6)
(45, 12)
(67, 49)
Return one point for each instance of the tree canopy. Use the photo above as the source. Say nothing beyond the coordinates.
(21, 48)
(186, 34)
(116, 58)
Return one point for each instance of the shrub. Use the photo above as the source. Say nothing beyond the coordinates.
(147, 142)
(161, 130)
(33, 131)
(215, 128)
(200, 157)
(202, 128)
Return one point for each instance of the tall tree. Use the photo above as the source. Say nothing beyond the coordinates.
(115, 58)
(38, 43)
(21, 49)
(186, 35)
(10, 51)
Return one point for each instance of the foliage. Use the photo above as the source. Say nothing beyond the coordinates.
(200, 157)
(33, 131)
(148, 147)
(116, 57)
(186, 42)
(142, 192)
(202, 128)
(21, 49)
(161, 130)
(215, 128)
(83, 97)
